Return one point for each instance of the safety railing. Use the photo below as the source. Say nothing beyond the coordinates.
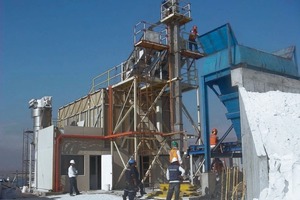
(110, 77)
(169, 7)
(116, 75)
(190, 76)
(156, 33)
(190, 45)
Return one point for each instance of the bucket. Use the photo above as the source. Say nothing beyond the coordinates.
(107, 187)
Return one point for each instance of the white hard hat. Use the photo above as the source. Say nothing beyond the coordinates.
(72, 162)
(174, 160)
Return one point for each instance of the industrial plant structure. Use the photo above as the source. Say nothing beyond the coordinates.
(136, 109)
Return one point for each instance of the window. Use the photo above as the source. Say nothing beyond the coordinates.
(65, 163)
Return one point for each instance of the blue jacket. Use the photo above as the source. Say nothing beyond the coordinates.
(174, 173)
(132, 178)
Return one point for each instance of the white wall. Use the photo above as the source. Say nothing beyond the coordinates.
(45, 160)
(255, 159)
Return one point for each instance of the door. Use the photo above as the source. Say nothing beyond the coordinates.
(95, 172)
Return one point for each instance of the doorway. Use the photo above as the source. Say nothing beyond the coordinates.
(95, 172)
(144, 165)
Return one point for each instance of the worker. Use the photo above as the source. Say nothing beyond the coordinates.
(213, 138)
(217, 166)
(132, 181)
(72, 173)
(174, 152)
(174, 175)
(192, 38)
(139, 182)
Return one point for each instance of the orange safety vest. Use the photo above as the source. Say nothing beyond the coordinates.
(173, 154)
(213, 139)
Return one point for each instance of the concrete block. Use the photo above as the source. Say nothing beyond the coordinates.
(208, 183)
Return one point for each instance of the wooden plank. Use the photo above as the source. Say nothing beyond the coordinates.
(191, 54)
(151, 45)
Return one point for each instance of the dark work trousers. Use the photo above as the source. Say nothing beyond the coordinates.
(173, 188)
(193, 44)
(130, 193)
(142, 189)
(73, 185)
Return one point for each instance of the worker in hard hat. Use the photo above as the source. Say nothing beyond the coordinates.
(72, 173)
(217, 167)
(132, 166)
(192, 38)
(174, 152)
(132, 180)
(213, 138)
(174, 175)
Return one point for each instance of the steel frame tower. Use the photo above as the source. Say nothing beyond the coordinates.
(28, 163)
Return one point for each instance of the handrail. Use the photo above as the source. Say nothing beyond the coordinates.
(185, 37)
(189, 76)
(182, 8)
(110, 77)
(116, 74)
(142, 27)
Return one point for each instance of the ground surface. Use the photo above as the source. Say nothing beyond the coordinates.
(95, 195)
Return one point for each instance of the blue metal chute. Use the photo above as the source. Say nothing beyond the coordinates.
(217, 39)
(219, 46)
(288, 52)
(228, 95)
(222, 57)
(223, 54)
(280, 62)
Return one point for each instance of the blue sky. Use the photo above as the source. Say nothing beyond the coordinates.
(55, 47)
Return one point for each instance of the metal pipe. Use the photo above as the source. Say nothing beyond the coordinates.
(41, 113)
(205, 124)
(199, 115)
(191, 169)
(135, 115)
(171, 76)
(30, 167)
(110, 110)
(159, 115)
(229, 45)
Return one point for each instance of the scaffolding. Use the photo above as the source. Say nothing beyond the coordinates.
(138, 104)
(28, 162)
